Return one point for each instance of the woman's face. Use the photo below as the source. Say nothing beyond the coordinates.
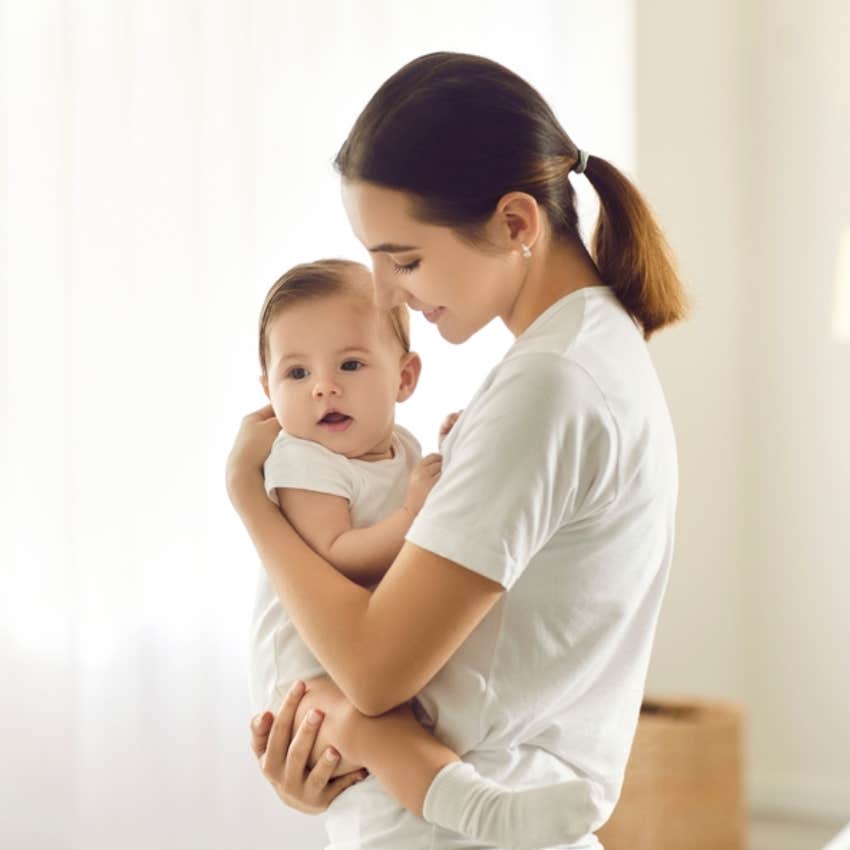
(458, 287)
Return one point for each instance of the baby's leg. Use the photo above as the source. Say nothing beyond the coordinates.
(430, 780)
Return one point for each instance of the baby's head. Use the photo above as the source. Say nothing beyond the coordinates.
(325, 345)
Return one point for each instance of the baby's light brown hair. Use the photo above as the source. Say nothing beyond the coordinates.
(322, 279)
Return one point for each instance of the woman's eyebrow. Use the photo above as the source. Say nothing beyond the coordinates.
(392, 248)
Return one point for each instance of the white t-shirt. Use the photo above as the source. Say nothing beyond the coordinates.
(374, 489)
(559, 481)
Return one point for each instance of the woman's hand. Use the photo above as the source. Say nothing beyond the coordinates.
(252, 446)
(283, 758)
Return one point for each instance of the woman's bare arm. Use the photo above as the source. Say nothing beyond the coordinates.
(380, 648)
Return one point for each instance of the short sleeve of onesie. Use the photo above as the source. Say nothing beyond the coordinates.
(305, 465)
(535, 450)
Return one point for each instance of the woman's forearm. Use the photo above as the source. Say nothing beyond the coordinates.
(316, 596)
(383, 647)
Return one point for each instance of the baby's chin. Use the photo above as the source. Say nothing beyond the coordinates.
(352, 445)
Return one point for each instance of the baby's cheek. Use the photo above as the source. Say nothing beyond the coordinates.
(290, 420)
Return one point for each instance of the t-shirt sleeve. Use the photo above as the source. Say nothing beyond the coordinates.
(305, 465)
(537, 450)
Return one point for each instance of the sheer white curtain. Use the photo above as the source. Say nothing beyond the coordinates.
(162, 163)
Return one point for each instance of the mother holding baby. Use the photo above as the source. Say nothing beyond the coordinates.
(522, 607)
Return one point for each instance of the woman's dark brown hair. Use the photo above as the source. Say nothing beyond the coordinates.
(457, 132)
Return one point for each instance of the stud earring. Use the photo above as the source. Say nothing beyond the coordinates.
(526, 251)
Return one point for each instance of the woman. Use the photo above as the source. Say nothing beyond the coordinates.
(522, 607)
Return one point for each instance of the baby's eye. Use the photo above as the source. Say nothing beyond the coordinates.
(406, 269)
(355, 363)
(296, 372)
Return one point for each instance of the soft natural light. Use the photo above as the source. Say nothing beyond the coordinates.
(163, 163)
(841, 311)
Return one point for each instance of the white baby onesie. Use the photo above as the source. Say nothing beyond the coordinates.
(374, 490)
(459, 799)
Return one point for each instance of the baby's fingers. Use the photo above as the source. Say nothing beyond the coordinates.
(433, 464)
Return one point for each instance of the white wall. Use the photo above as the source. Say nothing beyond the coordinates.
(743, 119)
(797, 545)
(690, 110)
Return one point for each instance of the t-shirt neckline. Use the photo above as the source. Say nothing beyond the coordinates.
(395, 445)
(555, 306)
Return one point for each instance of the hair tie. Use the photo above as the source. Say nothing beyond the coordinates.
(581, 162)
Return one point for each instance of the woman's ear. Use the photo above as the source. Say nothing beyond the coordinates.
(518, 220)
(411, 367)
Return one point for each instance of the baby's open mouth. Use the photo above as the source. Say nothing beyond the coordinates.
(329, 418)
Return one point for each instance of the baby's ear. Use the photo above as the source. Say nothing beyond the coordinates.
(264, 383)
(411, 367)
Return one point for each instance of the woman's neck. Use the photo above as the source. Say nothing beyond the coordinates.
(555, 269)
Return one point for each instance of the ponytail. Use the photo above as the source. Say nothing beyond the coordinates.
(631, 253)
(458, 131)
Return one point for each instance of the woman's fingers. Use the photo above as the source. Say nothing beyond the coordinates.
(300, 749)
(281, 732)
(260, 727)
(261, 413)
(321, 773)
(336, 786)
(283, 757)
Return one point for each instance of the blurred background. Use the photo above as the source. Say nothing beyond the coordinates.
(163, 162)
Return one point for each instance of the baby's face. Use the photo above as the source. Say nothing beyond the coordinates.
(338, 354)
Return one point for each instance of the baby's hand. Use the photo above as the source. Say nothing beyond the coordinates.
(447, 425)
(423, 477)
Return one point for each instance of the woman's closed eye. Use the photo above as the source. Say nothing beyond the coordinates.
(406, 268)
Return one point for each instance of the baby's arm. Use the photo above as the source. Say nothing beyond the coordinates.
(361, 554)
(324, 521)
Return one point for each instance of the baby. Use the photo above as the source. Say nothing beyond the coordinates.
(351, 482)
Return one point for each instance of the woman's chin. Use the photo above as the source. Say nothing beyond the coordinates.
(454, 335)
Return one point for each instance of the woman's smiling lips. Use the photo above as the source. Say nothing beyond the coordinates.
(433, 315)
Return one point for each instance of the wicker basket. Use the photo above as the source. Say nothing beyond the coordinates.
(683, 788)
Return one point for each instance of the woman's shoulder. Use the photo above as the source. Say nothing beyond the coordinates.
(531, 380)
(588, 328)
(587, 352)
